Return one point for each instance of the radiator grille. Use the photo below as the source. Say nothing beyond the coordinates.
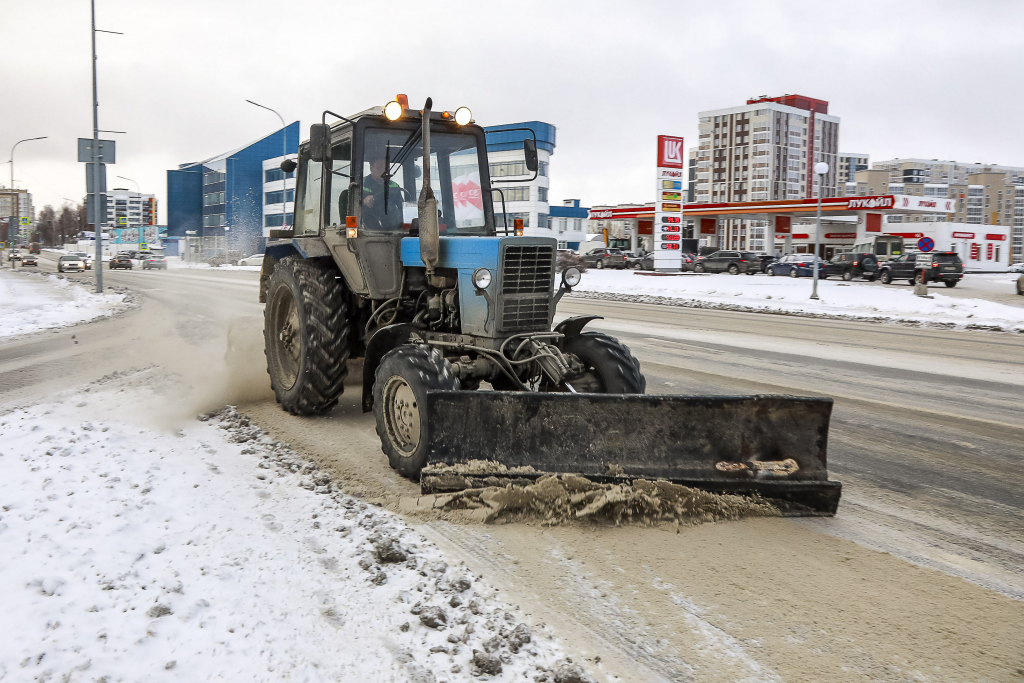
(528, 269)
(527, 274)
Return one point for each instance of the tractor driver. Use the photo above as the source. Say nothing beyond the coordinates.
(373, 209)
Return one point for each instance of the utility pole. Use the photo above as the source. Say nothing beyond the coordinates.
(284, 155)
(97, 228)
(14, 195)
(821, 169)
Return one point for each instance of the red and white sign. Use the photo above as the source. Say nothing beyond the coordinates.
(936, 204)
(988, 252)
(670, 152)
(908, 235)
(597, 215)
(995, 237)
(840, 235)
(975, 249)
(882, 202)
(963, 235)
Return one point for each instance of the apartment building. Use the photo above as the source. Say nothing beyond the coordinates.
(849, 164)
(919, 171)
(526, 196)
(764, 150)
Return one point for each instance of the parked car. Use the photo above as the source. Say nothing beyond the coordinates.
(933, 266)
(14, 255)
(939, 266)
(849, 265)
(121, 261)
(1020, 285)
(70, 262)
(567, 258)
(603, 257)
(154, 261)
(732, 262)
(796, 265)
(1017, 268)
(254, 260)
(766, 260)
(29, 260)
(85, 257)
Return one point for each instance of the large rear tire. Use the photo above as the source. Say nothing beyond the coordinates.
(610, 365)
(400, 387)
(305, 334)
(950, 283)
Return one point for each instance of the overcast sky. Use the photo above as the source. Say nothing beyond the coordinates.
(922, 79)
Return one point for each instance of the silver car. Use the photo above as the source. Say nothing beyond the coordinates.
(70, 262)
(86, 259)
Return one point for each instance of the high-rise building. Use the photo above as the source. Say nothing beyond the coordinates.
(764, 150)
(221, 199)
(24, 208)
(278, 194)
(525, 199)
(920, 171)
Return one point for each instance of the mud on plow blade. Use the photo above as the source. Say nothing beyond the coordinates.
(768, 445)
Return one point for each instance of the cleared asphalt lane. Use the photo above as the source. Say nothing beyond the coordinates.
(925, 437)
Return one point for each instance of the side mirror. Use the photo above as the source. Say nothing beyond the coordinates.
(320, 142)
(530, 150)
(288, 165)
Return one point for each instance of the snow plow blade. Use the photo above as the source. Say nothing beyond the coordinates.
(768, 445)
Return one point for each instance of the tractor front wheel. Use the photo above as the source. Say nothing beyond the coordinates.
(305, 333)
(609, 365)
(400, 387)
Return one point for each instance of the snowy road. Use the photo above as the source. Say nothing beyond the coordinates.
(925, 438)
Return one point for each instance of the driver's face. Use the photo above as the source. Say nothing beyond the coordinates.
(377, 168)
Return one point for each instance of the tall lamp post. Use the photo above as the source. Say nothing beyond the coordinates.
(284, 154)
(821, 169)
(14, 195)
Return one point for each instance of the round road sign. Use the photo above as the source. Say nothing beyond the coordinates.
(926, 244)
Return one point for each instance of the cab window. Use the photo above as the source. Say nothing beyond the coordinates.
(307, 196)
(341, 176)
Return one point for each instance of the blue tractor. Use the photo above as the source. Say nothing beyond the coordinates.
(397, 256)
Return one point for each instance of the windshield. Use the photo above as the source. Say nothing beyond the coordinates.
(454, 177)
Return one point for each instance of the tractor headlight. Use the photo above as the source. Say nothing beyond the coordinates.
(393, 110)
(481, 278)
(571, 276)
(463, 116)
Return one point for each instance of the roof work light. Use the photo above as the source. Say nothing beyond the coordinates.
(393, 110)
(463, 116)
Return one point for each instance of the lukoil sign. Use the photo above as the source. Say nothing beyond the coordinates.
(670, 152)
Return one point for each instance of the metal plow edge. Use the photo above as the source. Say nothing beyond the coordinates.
(770, 445)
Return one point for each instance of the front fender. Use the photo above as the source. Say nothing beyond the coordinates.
(382, 341)
(571, 327)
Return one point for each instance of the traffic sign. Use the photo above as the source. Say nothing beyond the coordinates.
(122, 220)
(143, 246)
(926, 244)
(24, 220)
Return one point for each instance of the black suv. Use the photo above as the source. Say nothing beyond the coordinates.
(603, 257)
(732, 262)
(934, 266)
(850, 264)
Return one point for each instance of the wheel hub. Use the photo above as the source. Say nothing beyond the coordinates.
(402, 415)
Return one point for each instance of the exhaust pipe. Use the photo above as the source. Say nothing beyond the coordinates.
(427, 204)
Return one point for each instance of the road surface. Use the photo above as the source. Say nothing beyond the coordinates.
(919, 577)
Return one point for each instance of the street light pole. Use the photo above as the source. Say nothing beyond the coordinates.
(131, 181)
(284, 155)
(821, 169)
(14, 195)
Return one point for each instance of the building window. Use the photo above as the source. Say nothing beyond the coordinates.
(273, 220)
(508, 168)
(562, 244)
(542, 194)
(213, 198)
(499, 219)
(513, 194)
(562, 224)
(542, 168)
(276, 197)
(213, 221)
(274, 174)
(211, 177)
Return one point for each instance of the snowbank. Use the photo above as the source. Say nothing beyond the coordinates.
(216, 553)
(30, 302)
(763, 294)
(175, 263)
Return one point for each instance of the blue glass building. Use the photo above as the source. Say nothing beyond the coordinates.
(221, 199)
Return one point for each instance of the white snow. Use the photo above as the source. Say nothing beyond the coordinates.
(31, 302)
(173, 262)
(128, 553)
(791, 295)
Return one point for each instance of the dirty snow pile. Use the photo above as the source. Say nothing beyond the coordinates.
(784, 295)
(30, 302)
(130, 554)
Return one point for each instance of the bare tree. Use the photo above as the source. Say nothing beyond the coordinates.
(68, 223)
(46, 226)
